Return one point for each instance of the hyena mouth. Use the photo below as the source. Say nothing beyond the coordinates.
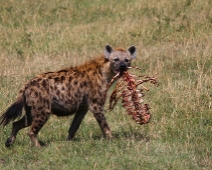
(122, 70)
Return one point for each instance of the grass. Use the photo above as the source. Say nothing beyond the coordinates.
(173, 39)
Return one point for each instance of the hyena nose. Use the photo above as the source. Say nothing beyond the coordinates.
(122, 65)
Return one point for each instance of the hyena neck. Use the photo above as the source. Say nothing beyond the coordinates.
(107, 72)
(102, 65)
(106, 69)
(99, 65)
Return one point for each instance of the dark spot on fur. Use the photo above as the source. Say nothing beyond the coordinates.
(95, 108)
(56, 79)
(40, 122)
(38, 85)
(76, 95)
(33, 82)
(43, 113)
(85, 83)
(63, 88)
(35, 129)
(75, 83)
(94, 100)
(98, 120)
(94, 73)
(70, 79)
(40, 108)
(89, 69)
(35, 116)
(36, 94)
(75, 74)
(63, 78)
(44, 84)
(39, 79)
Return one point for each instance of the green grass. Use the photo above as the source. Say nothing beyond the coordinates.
(173, 39)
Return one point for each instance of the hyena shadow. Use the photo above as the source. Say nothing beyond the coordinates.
(123, 135)
(128, 135)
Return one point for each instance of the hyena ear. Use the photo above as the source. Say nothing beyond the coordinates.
(132, 51)
(108, 50)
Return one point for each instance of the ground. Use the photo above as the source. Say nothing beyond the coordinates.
(173, 40)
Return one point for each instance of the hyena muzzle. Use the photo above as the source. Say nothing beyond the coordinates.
(74, 90)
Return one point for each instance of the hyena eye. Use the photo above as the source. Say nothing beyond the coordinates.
(116, 59)
(126, 60)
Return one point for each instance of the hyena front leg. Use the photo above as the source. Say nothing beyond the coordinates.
(39, 119)
(98, 113)
(80, 114)
(25, 121)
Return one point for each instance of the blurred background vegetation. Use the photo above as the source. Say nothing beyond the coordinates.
(173, 39)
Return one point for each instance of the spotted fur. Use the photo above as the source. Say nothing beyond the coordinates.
(69, 91)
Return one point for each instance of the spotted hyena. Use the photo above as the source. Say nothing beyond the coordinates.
(65, 92)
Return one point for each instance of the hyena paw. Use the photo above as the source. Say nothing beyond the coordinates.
(109, 136)
(9, 142)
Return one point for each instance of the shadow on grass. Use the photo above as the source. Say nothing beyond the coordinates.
(136, 136)
(127, 135)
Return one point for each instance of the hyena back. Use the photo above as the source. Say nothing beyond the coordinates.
(69, 91)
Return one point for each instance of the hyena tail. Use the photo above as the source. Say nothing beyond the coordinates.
(14, 111)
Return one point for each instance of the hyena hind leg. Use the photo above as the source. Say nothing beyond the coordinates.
(39, 119)
(80, 114)
(25, 121)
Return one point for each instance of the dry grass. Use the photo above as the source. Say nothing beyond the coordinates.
(173, 39)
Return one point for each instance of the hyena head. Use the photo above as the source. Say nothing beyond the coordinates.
(119, 58)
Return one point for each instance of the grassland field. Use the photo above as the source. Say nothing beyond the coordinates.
(174, 43)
